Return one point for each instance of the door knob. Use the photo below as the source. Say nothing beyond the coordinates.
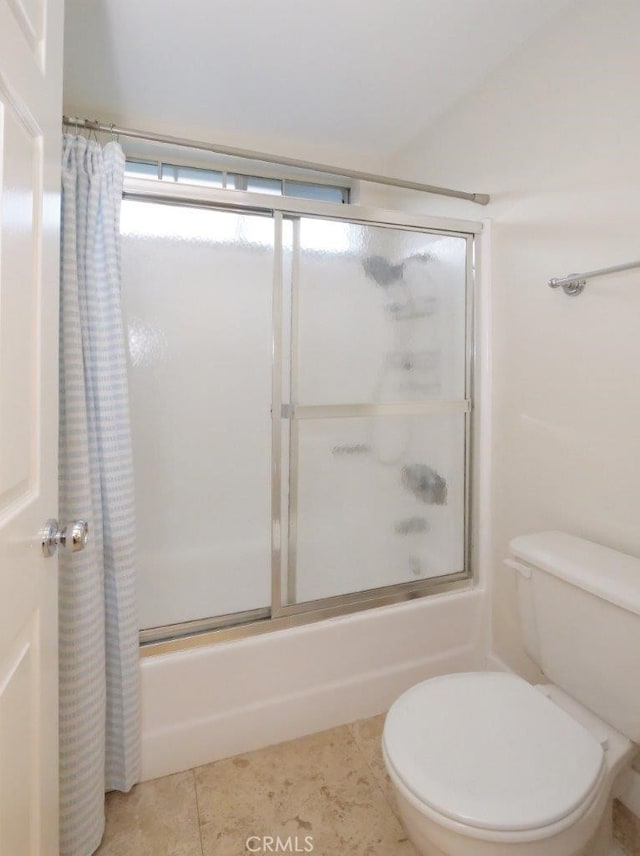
(72, 537)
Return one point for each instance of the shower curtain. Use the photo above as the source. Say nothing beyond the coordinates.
(99, 672)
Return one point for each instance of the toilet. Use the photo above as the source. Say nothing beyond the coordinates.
(485, 764)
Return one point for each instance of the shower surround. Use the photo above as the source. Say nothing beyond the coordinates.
(342, 367)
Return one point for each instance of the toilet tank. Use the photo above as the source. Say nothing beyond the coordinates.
(579, 606)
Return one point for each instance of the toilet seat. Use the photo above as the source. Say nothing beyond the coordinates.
(487, 750)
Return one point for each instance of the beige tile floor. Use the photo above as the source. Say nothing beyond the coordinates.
(626, 827)
(331, 786)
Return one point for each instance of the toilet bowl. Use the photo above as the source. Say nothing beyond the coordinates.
(485, 764)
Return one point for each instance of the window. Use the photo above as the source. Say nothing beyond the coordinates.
(236, 181)
(141, 169)
(323, 192)
(192, 175)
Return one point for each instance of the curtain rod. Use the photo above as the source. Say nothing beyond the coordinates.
(575, 282)
(216, 148)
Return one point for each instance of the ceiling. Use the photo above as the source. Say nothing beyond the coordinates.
(345, 77)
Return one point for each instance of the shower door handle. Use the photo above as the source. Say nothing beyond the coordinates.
(72, 537)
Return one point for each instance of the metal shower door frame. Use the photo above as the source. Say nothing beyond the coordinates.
(284, 531)
(282, 615)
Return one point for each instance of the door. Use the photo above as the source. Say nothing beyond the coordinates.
(197, 296)
(30, 116)
(377, 401)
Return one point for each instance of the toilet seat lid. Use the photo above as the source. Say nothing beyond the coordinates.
(488, 750)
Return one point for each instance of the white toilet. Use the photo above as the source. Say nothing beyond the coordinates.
(485, 764)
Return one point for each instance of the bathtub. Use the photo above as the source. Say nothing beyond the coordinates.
(205, 703)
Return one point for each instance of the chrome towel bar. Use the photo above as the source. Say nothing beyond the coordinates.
(574, 283)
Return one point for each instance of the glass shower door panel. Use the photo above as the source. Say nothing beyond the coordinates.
(379, 377)
(379, 501)
(379, 314)
(197, 295)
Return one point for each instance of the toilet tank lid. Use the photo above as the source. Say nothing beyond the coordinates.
(603, 572)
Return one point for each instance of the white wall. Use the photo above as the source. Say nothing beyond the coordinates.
(554, 137)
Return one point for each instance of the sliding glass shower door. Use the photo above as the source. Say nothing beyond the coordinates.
(375, 408)
(300, 412)
(197, 295)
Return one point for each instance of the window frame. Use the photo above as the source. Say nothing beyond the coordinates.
(240, 180)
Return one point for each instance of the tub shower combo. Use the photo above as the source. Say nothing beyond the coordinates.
(300, 395)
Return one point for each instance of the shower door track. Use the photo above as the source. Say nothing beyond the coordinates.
(279, 616)
(238, 625)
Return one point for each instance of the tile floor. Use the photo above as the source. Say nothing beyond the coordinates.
(331, 786)
(626, 827)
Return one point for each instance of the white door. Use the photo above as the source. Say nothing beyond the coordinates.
(30, 127)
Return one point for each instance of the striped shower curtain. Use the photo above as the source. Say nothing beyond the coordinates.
(99, 672)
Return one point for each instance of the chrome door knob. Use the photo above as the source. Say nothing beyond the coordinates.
(73, 537)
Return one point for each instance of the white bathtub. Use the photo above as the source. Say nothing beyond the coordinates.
(206, 703)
